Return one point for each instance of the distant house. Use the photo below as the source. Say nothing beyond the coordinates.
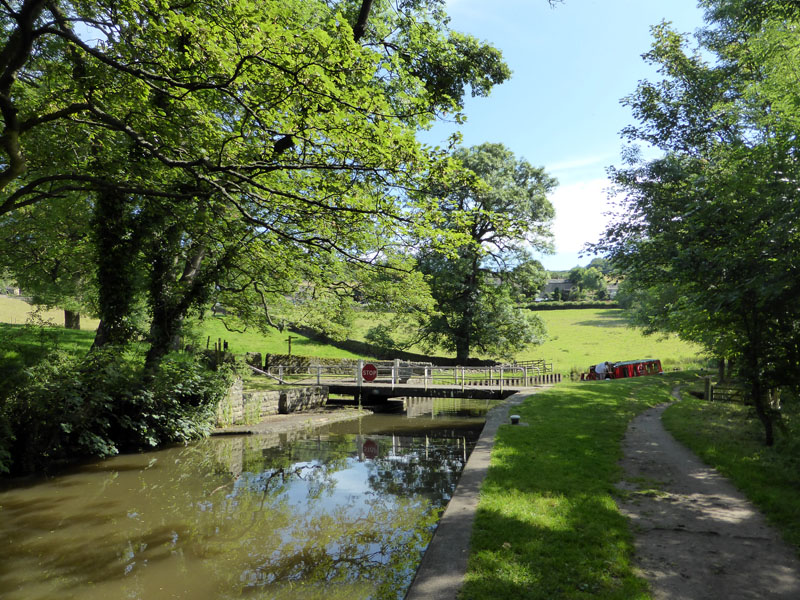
(564, 285)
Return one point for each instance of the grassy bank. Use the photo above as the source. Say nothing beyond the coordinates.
(582, 337)
(576, 338)
(547, 524)
(730, 438)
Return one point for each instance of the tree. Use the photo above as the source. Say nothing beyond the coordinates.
(219, 142)
(587, 280)
(708, 230)
(500, 212)
(49, 249)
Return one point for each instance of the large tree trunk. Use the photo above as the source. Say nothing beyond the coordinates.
(170, 301)
(115, 249)
(72, 320)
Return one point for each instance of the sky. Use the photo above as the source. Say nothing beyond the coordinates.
(571, 64)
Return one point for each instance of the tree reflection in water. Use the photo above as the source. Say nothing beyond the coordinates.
(233, 517)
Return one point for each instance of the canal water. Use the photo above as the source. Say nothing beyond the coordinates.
(344, 511)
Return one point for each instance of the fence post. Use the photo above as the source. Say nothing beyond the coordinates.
(395, 372)
(319, 374)
(462, 379)
(359, 370)
(425, 378)
(707, 392)
(501, 380)
(280, 373)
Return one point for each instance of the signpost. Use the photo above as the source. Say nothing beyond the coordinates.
(369, 372)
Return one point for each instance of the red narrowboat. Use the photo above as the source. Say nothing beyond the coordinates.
(628, 368)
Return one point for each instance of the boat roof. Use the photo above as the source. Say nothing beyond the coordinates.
(633, 362)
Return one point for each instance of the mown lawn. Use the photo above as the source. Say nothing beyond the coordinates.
(583, 337)
(576, 338)
(547, 523)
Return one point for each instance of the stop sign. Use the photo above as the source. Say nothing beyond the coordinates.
(370, 449)
(369, 372)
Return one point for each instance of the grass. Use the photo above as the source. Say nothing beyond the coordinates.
(547, 523)
(583, 337)
(576, 338)
(730, 438)
(14, 311)
(273, 342)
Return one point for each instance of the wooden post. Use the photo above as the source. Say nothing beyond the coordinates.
(501, 380)
(425, 378)
(462, 379)
(708, 393)
(319, 373)
(289, 339)
(395, 372)
(525, 375)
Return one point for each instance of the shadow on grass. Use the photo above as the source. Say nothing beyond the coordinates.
(548, 525)
(24, 346)
(607, 318)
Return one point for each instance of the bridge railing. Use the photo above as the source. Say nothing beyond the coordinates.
(414, 374)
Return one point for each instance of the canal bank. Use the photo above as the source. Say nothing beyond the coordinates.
(280, 423)
(441, 572)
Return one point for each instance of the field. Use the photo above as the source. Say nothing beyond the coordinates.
(576, 338)
(582, 337)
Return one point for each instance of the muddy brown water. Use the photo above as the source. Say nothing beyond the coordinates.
(345, 511)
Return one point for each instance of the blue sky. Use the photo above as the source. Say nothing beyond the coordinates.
(561, 109)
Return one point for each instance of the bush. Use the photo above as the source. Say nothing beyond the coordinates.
(69, 408)
(566, 305)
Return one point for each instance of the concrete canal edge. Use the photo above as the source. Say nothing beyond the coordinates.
(441, 572)
(285, 423)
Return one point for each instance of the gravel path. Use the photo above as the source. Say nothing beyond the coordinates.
(696, 535)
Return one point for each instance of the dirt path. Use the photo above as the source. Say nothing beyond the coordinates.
(697, 537)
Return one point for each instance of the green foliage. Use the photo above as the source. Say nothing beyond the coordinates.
(707, 234)
(570, 304)
(68, 408)
(498, 212)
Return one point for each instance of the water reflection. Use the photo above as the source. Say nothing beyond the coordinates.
(340, 512)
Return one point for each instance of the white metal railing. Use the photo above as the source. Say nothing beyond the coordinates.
(400, 373)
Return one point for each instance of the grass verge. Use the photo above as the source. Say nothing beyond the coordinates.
(547, 525)
(730, 438)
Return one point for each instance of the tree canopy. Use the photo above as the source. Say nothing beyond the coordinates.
(708, 231)
(230, 150)
(501, 213)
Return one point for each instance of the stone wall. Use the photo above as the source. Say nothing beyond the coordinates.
(242, 406)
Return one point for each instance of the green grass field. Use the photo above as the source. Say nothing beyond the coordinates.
(576, 338)
(583, 337)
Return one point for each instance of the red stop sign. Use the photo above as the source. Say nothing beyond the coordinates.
(369, 372)
(370, 449)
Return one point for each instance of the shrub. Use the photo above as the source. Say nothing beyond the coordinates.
(69, 408)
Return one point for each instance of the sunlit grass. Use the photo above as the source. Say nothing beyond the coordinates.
(583, 337)
(547, 523)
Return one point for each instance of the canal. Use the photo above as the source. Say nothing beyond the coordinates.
(344, 511)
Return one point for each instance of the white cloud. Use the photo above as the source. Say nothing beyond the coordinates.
(600, 161)
(580, 217)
